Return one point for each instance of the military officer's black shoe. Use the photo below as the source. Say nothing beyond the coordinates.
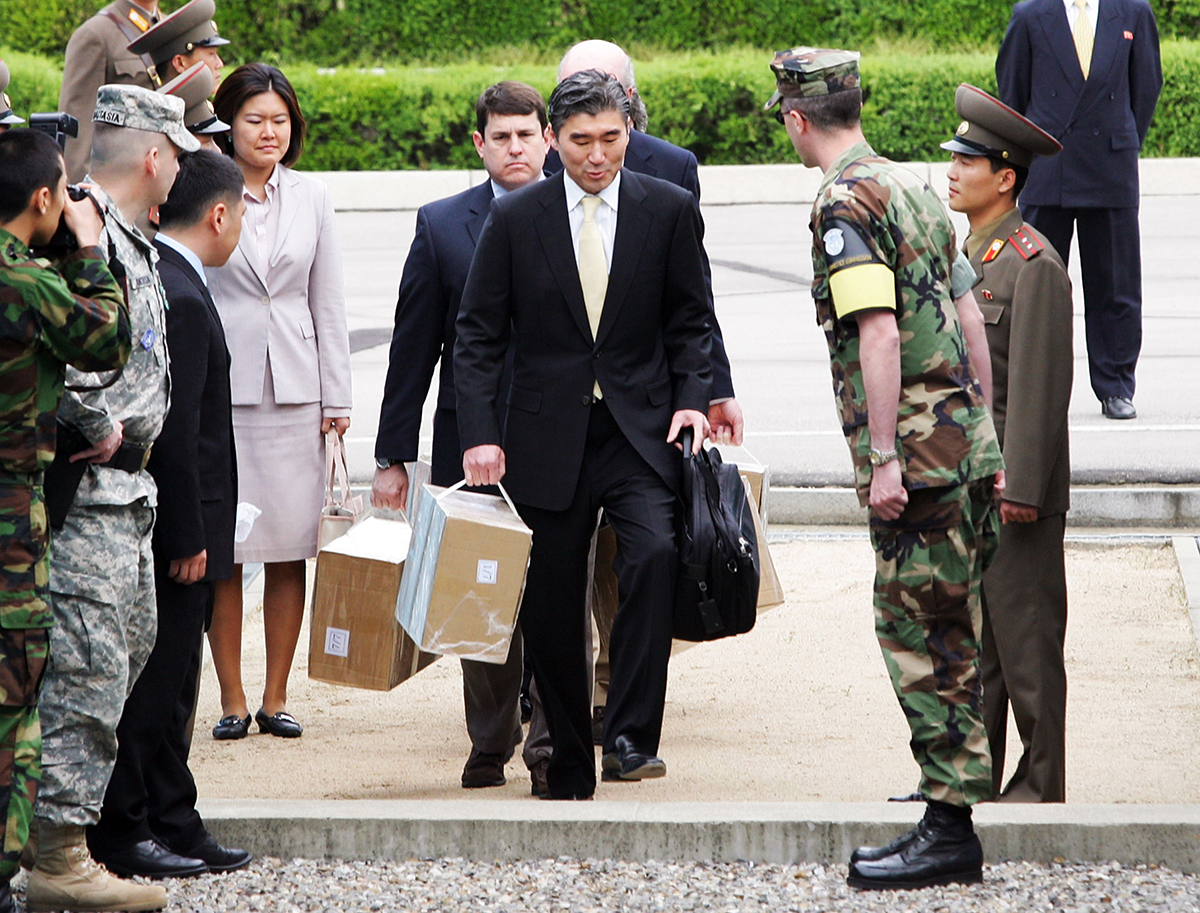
(1118, 407)
(941, 849)
(7, 905)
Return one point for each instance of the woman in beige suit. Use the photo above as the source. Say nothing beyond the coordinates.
(281, 301)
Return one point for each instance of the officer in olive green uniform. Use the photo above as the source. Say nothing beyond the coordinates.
(194, 86)
(1025, 296)
(98, 54)
(69, 312)
(7, 118)
(912, 406)
(188, 36)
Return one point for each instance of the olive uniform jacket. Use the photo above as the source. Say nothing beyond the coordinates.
(98, 55)
(1025, 296)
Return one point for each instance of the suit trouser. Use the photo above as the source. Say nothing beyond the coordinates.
(1110, 261)
(641, 509)
(491, 691)
(1024, 628)
(152, 792)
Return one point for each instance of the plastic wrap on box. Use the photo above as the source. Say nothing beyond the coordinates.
(354, 638)
(462, 588)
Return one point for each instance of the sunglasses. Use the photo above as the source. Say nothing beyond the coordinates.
(778, 112)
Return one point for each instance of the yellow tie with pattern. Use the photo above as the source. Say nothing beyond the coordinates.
(1085, 37)
(593, 269)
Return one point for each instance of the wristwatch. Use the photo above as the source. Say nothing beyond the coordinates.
(879, 457)
(386, 464)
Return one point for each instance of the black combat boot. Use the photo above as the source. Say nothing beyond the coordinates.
(941, 849)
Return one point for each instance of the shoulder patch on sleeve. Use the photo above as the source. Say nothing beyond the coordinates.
(994, 250)
(1026, 243)
(844, 245)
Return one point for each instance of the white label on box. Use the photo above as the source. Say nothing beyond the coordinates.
(487, 571)
(337, 642)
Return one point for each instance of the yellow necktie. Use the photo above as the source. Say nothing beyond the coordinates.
(1085, 37)
(593, 269)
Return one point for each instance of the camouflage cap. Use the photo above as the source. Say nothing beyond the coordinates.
(804, 72)
(140, 109)
(189, 27)
(194, 85)
(990, 127)
(7, 118)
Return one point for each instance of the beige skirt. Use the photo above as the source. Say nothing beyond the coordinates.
(281, 468)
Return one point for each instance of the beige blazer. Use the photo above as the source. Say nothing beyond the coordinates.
(296, 312)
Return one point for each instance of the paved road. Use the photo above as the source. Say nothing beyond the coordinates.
(761, 274)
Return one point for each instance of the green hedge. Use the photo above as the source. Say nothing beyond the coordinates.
(710, 103)
(341, 31)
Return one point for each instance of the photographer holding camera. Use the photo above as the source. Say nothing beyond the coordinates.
(68, 312)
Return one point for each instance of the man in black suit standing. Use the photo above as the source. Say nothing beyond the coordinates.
(594, 280)
(1088, 72)
(150, 804)
(510, 137)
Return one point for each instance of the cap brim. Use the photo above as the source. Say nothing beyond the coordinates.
(9, 119)
(957, 145)
(184, 140)
(216, 125)
(772, 101)
(213, 42)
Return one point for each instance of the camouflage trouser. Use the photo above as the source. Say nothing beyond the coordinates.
(22, 662)
(928, 570)
(105, 621)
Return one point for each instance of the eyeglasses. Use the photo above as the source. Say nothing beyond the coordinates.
(778, 112)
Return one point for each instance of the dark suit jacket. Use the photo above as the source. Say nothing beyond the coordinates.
(652, 355)
(656, 157)
(430, 291)
(1102, 122)
(193, 459)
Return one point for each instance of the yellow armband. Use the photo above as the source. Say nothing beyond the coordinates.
(860, 288)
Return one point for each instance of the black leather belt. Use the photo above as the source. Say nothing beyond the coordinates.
(129, 457)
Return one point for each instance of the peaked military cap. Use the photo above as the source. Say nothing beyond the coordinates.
(189, 27)
(194, 85)
(140, 109)
(7, 118)
(805, 72)
(990, 127)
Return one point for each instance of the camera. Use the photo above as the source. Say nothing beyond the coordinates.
(58, 125)
(64, 240)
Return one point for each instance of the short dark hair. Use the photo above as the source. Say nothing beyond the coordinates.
(586, 92)
(1022, 174)
(836, 111)
(507, 98)
(254, 79)
(205, 178)
(29, 161)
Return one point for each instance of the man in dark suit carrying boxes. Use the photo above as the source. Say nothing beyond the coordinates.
(594, 280)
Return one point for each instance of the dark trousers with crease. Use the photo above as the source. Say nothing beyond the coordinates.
(641, 509)
(491, 691)
(1110, 262)
(152, 793)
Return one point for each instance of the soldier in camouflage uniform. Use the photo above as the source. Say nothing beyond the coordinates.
(101, 577)
(910, 370)
(71, 312)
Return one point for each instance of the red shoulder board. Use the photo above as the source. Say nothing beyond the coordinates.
(1026, 243)
(994, 250)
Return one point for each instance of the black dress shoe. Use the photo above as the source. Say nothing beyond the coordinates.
(526, 707)
(232, 727)
(628, 763)
(941, 849)
(539, 786)
(597, 725)
(281, 724)
(1118, 407)
(6, 899)
(484, 769)
(219, 858)
(150, 859)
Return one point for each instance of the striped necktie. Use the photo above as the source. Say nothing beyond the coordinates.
(593, 269)
(1085, 37)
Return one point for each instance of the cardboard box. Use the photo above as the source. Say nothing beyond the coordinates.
(465, 578)
(354, 638)
(770, 589)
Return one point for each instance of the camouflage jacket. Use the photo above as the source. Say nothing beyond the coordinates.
(141, 395)
(944, 432)
(50, 317)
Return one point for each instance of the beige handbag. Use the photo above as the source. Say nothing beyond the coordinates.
(339, 513)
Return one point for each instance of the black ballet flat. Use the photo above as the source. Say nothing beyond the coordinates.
(232, 727)
(282, 724)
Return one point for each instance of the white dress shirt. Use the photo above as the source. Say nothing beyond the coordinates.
(262, 218)
(186, 253)
(498, 191)
(606, 215)
(1092, 9)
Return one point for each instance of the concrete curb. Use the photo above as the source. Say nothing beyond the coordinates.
(780, 833)
(723, 185)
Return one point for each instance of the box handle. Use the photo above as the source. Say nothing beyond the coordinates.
(507, 500)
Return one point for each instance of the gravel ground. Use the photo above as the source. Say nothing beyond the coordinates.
(572, 886)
